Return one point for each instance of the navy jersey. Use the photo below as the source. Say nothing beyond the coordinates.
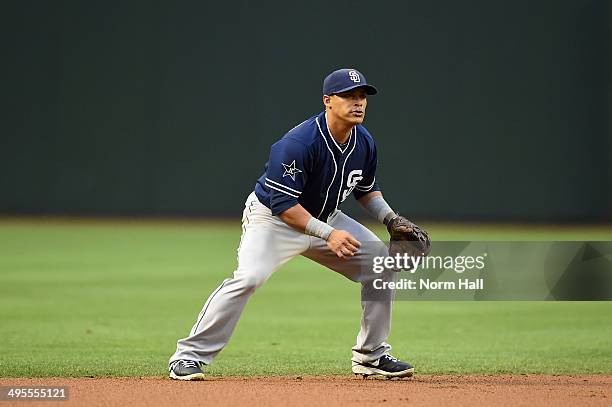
(307, 166)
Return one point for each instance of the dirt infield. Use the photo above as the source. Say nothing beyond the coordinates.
(524, 390)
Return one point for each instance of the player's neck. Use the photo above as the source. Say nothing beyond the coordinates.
(340, 130)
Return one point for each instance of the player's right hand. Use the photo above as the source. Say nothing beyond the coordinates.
(343, 243)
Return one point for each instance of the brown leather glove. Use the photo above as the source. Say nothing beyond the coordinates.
(406, 237)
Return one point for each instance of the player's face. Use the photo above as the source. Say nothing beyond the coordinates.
(348, 106)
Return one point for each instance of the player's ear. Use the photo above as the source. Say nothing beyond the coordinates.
(327, 101)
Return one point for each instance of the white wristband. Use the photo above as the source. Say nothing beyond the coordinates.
(315, 227)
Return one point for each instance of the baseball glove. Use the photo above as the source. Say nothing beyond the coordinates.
(406, 237)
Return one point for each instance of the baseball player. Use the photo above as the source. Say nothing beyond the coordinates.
(294, 211)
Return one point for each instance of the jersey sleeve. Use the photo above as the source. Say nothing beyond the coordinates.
(368, 182)
(286, 174)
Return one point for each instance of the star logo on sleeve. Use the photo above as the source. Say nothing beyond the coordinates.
(291, 170)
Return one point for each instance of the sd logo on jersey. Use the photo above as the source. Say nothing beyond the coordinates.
(351, 182)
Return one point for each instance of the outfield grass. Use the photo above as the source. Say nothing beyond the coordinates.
(111, 299)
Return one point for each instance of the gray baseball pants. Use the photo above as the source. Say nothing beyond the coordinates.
(266, 244)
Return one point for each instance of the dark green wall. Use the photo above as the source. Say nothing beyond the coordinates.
(608, 70)
(488, 109)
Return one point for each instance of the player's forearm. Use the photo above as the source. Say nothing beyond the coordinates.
(299, 218)
(374, 204)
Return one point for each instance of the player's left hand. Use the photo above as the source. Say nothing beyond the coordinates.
(407, 237)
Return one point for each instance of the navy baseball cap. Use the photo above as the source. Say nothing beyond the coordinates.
(346, 79)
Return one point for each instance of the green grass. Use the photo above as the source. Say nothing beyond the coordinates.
(111, 299)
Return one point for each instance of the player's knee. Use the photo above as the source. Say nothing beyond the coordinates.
(251, 281)
(373, 248)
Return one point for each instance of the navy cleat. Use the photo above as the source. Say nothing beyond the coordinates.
(386, 365)
(186, 370)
